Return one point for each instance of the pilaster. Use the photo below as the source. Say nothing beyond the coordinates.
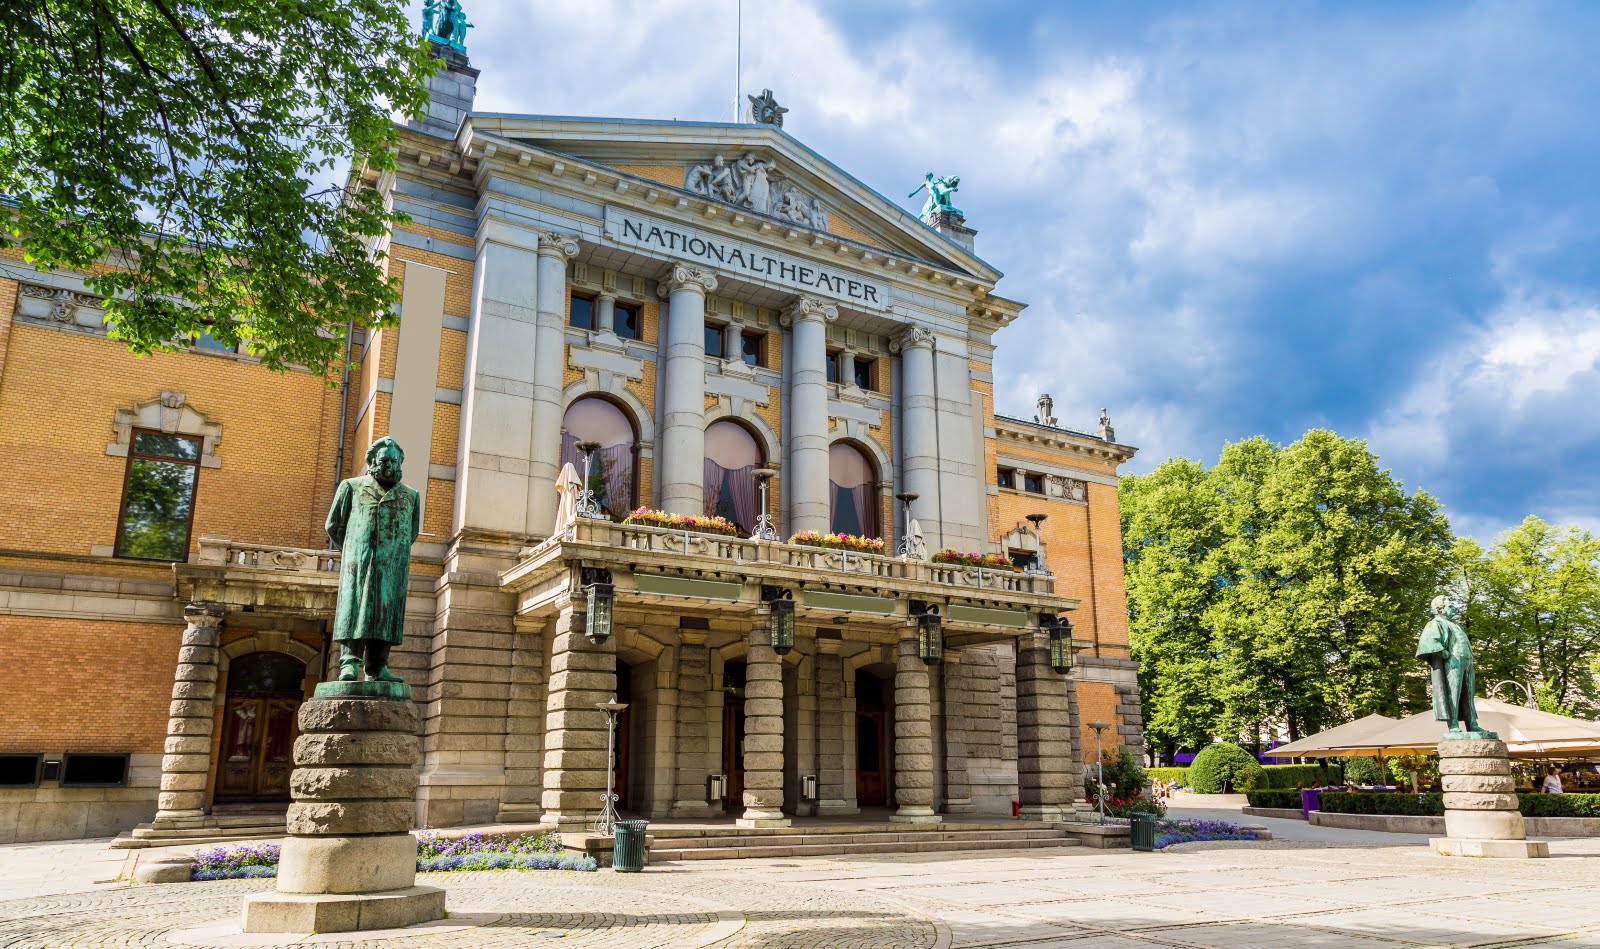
(836, 715)
(957, 788)
(763, 734)
(695, 747)
(913, 737)
(806, 481)
(187, 759)
(582, 676)
(683, 435)
(1049, 777)
(525, 714)
(549, 364)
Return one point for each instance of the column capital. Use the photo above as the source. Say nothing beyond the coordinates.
(606, 295)
(915, 336)
(552, 244)
(201, 613)
(684, 278)
(809, 308)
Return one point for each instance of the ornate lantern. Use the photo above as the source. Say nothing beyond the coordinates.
(601, 596)
(930, 635)
(780, 609)
(1060, 631)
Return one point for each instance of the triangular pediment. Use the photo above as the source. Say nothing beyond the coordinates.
(756, 170)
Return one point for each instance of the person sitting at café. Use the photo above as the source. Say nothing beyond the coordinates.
(1552, 783)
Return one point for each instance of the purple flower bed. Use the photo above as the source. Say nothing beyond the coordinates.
(236, 863)
(434, 852)
(1170, 832)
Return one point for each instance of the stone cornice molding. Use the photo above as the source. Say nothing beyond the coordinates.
(686, 278)
(808, 308)
(1076, 443)
(552, 244)
(914, 337)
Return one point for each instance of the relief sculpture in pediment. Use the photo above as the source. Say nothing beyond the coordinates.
(755, 183)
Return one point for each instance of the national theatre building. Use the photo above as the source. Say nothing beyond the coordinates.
(699, 422)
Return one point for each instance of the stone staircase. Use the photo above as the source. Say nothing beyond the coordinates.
(225, 823)
(668, 843)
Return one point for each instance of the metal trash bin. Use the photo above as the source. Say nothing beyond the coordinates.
(1142, 831)
(627, 850)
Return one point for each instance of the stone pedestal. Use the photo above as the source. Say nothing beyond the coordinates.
(1480, 803)
(350, 861)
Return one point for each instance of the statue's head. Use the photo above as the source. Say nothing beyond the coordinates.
(717, 161)
(1443, 607)
(384, 460)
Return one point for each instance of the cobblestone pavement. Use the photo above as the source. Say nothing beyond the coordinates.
(1223, 895)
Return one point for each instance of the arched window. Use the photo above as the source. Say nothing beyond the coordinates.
(852, 491)
(613, 471)
(732, 456)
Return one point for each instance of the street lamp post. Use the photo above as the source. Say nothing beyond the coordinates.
(1527, 691)
(588, 505)
(1100, 766)
(905, 500)
(605, 823)
(763, 528)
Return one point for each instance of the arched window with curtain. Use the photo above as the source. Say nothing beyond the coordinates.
(852, 491)
(732, 456)
(614, 469)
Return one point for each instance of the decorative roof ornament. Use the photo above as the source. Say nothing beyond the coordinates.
(940, 188)
(1046, 406)
(445, 24)
(1106, 432)
(765, 110)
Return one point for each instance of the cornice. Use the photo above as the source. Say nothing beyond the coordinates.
(1061, 439)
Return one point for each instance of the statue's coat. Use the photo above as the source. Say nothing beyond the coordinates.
(375, 530)
(1446, 649)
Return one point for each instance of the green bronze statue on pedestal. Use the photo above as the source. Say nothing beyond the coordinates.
(374, 521)
(1444, 646)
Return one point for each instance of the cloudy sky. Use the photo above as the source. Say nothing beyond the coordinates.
(1228, 219)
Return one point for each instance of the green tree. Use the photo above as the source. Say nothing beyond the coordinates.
(175, 151)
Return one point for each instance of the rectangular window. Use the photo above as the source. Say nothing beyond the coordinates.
(753, 348)
(1005, 477)
(625, 321)
(714, 341)
(204, 340)
(582, 312)
(20, 771)
(1033, 484)
(866, 373)
(833, 367)
(158, 496)
(88, 771)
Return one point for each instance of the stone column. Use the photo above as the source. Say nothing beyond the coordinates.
(1048, 776)
(763, 734)
(582, 675)
(801, 747)
(806, 481)
(605, 313)
(957, 788)
(549, 364)
(919, 430)
(695, 748)
(836, 786)
(190, 720)
(525, 713)
(913, 737)
(681, 457)
(730, 343)
(661, 741)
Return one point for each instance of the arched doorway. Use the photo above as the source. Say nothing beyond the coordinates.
(852, 491)
(732, 456)
(264, 693)
(614, 468)
(733, 735)
(873, 730)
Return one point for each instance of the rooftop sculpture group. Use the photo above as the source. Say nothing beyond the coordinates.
(445, 24)
(754, 183)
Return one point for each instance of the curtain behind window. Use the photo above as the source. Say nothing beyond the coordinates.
(732, 493)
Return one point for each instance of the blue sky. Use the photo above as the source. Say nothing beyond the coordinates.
(1228, 219)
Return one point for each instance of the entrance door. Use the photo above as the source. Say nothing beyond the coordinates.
(733, 736)
(259, 727)
(871, 742)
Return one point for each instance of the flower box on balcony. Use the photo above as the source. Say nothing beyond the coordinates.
(860, 545)
(698, 523)
(957, 558)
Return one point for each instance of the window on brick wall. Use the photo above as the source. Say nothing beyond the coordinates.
(866, 372)
(158, 496)
(626, 322)
(1006, 477)
(753, 348)
(714, 341)
(1033, 484)
(581, 312)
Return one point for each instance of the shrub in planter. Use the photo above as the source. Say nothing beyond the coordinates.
(1274, 798)
(700, 523)
(1224, 769)
(1124, 806)
(1399, 805)
(1180, 775)
(1363, 770)
(861, 545)
(973, 559)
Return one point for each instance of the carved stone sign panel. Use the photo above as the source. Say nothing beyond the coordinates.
(739, 259)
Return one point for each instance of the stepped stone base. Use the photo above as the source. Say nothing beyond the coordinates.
(1471, 847)
(342, 912)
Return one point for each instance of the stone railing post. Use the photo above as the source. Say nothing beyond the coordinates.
(187, 758)
(763, 734)
(913, 737)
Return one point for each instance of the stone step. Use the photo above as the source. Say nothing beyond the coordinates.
(810, 829)
(754, 839)
(843, 847)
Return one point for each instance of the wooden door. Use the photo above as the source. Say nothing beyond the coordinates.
(258, 733)
(870, 752)
(733, 753)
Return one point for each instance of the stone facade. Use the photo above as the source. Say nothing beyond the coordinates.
(869, 331)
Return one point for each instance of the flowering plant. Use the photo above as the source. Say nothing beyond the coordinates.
(865, 545)
(973, 559)
(236, 863)
(1169, 832)
(702, 523)
(497, 852)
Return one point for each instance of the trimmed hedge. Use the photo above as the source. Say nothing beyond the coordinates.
(1402, 805)
(1364, 770)
(1559, 805)
(1180, 775)
(1221, 768)
(1292, 776)
(1275, 798)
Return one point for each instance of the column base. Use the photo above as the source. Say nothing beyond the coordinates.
(837, 808)
(694, 809)
(342, 913)
(1475, 847)
(1051, 812)
(520, 814)
(762, 818)
(960, 805)
(915, 815)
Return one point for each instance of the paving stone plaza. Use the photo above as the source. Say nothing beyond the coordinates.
(1371, 891)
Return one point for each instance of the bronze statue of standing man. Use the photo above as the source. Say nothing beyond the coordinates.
(1444, 646)
(374, 520)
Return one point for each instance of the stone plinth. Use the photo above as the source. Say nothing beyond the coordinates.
(350, 861)
(1480, 803)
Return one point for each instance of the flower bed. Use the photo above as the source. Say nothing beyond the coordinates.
(434, 852)
(861, 545)
(1169, 832)
(973, 559)
(700, 523)
(236, 863)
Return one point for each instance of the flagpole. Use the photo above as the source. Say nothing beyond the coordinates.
(738, 56)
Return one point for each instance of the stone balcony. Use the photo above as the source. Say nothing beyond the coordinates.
(689, 572)
(261, 577)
